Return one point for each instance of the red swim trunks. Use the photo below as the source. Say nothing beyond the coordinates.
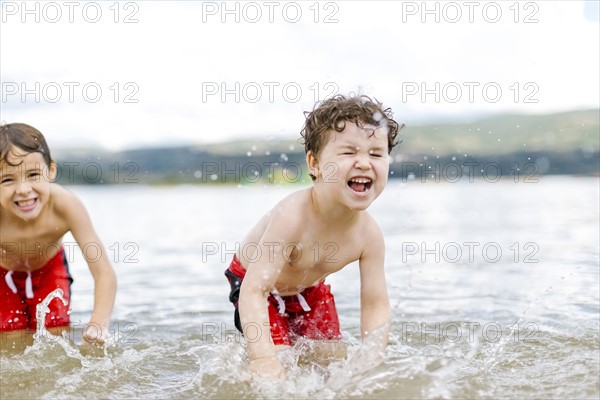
(20, 297)
(311, 314)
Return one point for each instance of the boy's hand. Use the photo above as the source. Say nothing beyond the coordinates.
(267, 368)
(95, 333)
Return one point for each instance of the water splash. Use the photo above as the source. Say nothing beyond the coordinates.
(329, 369)
(42, 310)
(362, 358)
(44, 339)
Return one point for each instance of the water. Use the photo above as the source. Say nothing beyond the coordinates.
(41, 310)
(494, 289)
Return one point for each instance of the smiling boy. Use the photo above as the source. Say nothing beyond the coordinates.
(277, 276)
(34, 215)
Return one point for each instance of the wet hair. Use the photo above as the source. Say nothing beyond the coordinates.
(332, 114)
(23, 137)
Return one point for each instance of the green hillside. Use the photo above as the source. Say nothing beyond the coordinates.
(504, 134)
(561, 143)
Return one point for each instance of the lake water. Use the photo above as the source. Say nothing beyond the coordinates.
(494, 289)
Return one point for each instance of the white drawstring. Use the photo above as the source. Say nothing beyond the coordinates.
(280, 303)
(303, 302)
(11, 284)
(28, 286)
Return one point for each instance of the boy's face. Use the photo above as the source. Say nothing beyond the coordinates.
(353, 165)
(25, 187)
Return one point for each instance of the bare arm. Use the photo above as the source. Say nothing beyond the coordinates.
(254, 316)
(375, 304)
(105, 281)
(261, 276)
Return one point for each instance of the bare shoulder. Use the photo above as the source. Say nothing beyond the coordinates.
(291, 210)
(66, 203)
(372, 236)
(370, 227)
(283, 222)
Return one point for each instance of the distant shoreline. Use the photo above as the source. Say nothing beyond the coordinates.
(501, 146)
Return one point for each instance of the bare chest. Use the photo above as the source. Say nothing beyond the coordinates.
(309, 263)
(30, 248)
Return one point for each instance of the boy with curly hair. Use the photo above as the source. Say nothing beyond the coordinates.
(34, 216)
(277, 276)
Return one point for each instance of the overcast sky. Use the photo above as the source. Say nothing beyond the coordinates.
(145, 73)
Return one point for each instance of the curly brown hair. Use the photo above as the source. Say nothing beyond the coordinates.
(332, 114)
(24, 137)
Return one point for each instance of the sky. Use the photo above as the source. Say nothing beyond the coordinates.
(127, 74)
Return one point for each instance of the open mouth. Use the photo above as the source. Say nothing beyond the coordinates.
(26, 204)
(360, 184)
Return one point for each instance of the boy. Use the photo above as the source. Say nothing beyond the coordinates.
(277, 276)
(34, 215)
